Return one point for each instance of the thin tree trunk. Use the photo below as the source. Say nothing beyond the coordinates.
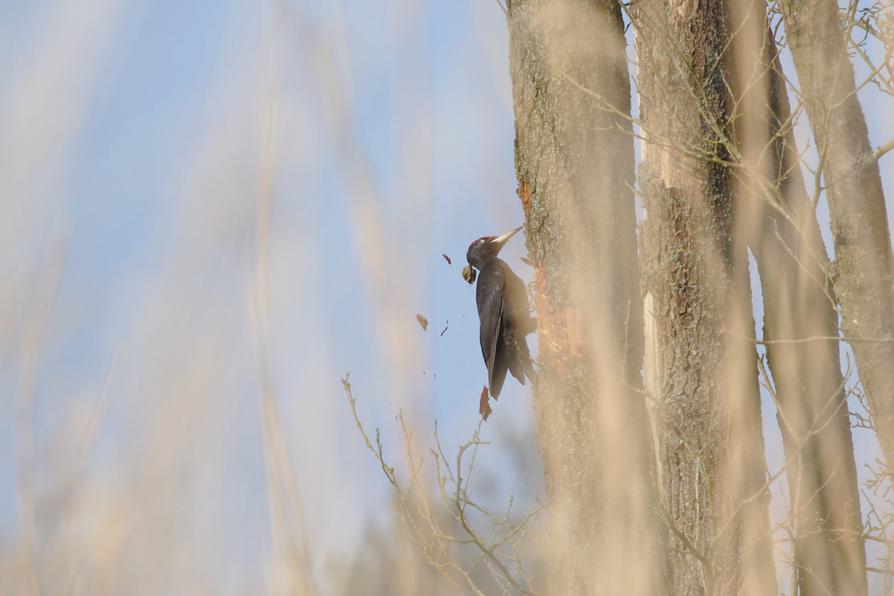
(575, 168)
(862, 271)
(695, 273)
(781, 228)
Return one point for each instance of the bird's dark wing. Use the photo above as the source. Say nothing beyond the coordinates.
(516, 324)
(489, 296)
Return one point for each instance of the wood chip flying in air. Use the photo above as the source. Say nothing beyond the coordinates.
(527, 261)
(445, 329)
(483, 405)
(446, 258)
(423, 322)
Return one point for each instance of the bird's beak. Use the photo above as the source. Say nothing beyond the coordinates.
(502, 239)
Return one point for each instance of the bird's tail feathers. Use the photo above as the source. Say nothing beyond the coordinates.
(521, 365)
(529, 369)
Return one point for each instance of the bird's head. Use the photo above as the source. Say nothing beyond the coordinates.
(487, 247)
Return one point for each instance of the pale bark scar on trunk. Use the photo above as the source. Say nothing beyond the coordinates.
(560, 333)
(545, 321)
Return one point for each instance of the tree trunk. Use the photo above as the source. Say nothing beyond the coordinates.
(781, 228)
(575, 168)
(701, 371)
(862, 271)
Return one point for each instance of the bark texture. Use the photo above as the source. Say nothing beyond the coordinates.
(862, 269)
(781, 228)
(698, 307)
(575, 168)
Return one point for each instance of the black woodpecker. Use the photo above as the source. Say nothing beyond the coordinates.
(503, 313)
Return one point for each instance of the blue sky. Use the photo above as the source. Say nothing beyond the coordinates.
(147, 193)
(145, 182)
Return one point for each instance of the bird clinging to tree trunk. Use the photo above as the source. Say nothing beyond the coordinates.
(502, 311)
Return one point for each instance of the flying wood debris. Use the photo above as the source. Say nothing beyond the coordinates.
(527, 261)
(423, 322)
(483, 405)
(445, 329)
(446, 258)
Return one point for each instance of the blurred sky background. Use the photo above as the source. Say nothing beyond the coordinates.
(132, 143)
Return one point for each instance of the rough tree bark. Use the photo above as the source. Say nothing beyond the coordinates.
(862, 270)
(575, 169)
(781, 228)
(698, 307)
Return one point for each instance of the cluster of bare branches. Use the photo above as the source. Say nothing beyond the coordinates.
(442, 516)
